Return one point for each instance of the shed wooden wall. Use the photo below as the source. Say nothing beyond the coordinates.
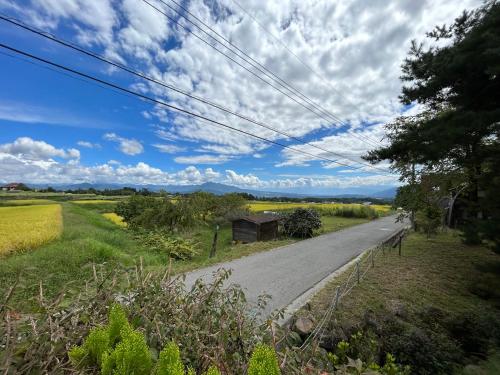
(245, 231)
(268, 231)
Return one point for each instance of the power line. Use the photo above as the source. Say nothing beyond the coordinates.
(259, 66)
(171, 87)
(314, 107)
(274, 77)
(297, 57)
(159, 102)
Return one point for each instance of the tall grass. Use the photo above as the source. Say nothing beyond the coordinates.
(27, 227)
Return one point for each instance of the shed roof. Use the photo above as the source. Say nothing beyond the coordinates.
(259, 219)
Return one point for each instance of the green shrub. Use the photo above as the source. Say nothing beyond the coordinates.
(130, 356)
(116, 348)
(475, 333)
(263, 361)
(170, 362)
(174, 246)
(302, 222)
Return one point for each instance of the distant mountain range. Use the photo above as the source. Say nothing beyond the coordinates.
(216, 188)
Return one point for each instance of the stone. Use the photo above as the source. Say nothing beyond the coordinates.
(303, 326)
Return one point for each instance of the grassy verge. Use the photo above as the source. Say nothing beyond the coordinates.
(432, 286)
(90, 238)
(87, 238)
(227, 251)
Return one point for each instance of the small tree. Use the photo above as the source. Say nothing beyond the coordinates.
(302, 222)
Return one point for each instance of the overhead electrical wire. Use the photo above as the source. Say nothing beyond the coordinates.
(274, 76)
(311, 106)
(320, 76)
(161, 103)
(171, 87)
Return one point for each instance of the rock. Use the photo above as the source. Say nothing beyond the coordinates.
(303, 326)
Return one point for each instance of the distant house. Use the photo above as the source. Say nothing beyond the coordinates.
(367, 203)
(11, 187)
(255, 228)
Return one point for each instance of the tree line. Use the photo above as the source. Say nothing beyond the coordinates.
(448, 155)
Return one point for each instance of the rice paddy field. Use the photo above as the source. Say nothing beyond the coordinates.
(93, 201)
(259, 206)
(27, 227)
(25, 202)
(118, 220)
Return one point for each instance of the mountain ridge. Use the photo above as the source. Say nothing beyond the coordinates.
(216, 188)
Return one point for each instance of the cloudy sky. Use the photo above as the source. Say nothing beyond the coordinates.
(323, 73)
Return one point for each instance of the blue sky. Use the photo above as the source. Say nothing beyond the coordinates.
(55, 128)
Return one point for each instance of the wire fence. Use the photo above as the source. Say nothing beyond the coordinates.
(361, 268)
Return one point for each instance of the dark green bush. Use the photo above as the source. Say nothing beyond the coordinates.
(174, 246)
(475, 333)
(302, 222)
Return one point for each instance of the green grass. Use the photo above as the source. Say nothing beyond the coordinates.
(89, 238)
(437, 271)
(227, 251)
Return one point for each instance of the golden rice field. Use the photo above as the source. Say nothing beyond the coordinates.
(117, 219)
(93, 201)
(26, 227)
(257, 206)
(24, 202)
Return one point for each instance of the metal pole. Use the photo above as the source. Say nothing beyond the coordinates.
(400, 239)
(373, 260)
(357, 270)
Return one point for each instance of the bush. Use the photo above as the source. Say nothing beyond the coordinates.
(174, 246)
(429, 219)
(302, 222)
(263, 361)
(208, 321)
(114, 348)
(475, 333)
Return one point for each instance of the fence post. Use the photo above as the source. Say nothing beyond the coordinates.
(357, 270)
(214, 243)
(400, 239)
(337, 296)
(373, 260)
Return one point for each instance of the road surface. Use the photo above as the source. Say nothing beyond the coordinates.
(285, 273)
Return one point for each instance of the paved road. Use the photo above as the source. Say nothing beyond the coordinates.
(287, 272)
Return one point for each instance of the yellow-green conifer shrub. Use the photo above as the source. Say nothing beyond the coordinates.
(130, 356)
(263, 361)
(169, 362)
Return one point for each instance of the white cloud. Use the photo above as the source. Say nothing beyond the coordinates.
(33, 162)
(202, 159)
(128, 146)
(356, 52)
(88, 144)
(28, 148)
(169, 149)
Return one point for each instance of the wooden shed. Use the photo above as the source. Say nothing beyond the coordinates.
(255, 228)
